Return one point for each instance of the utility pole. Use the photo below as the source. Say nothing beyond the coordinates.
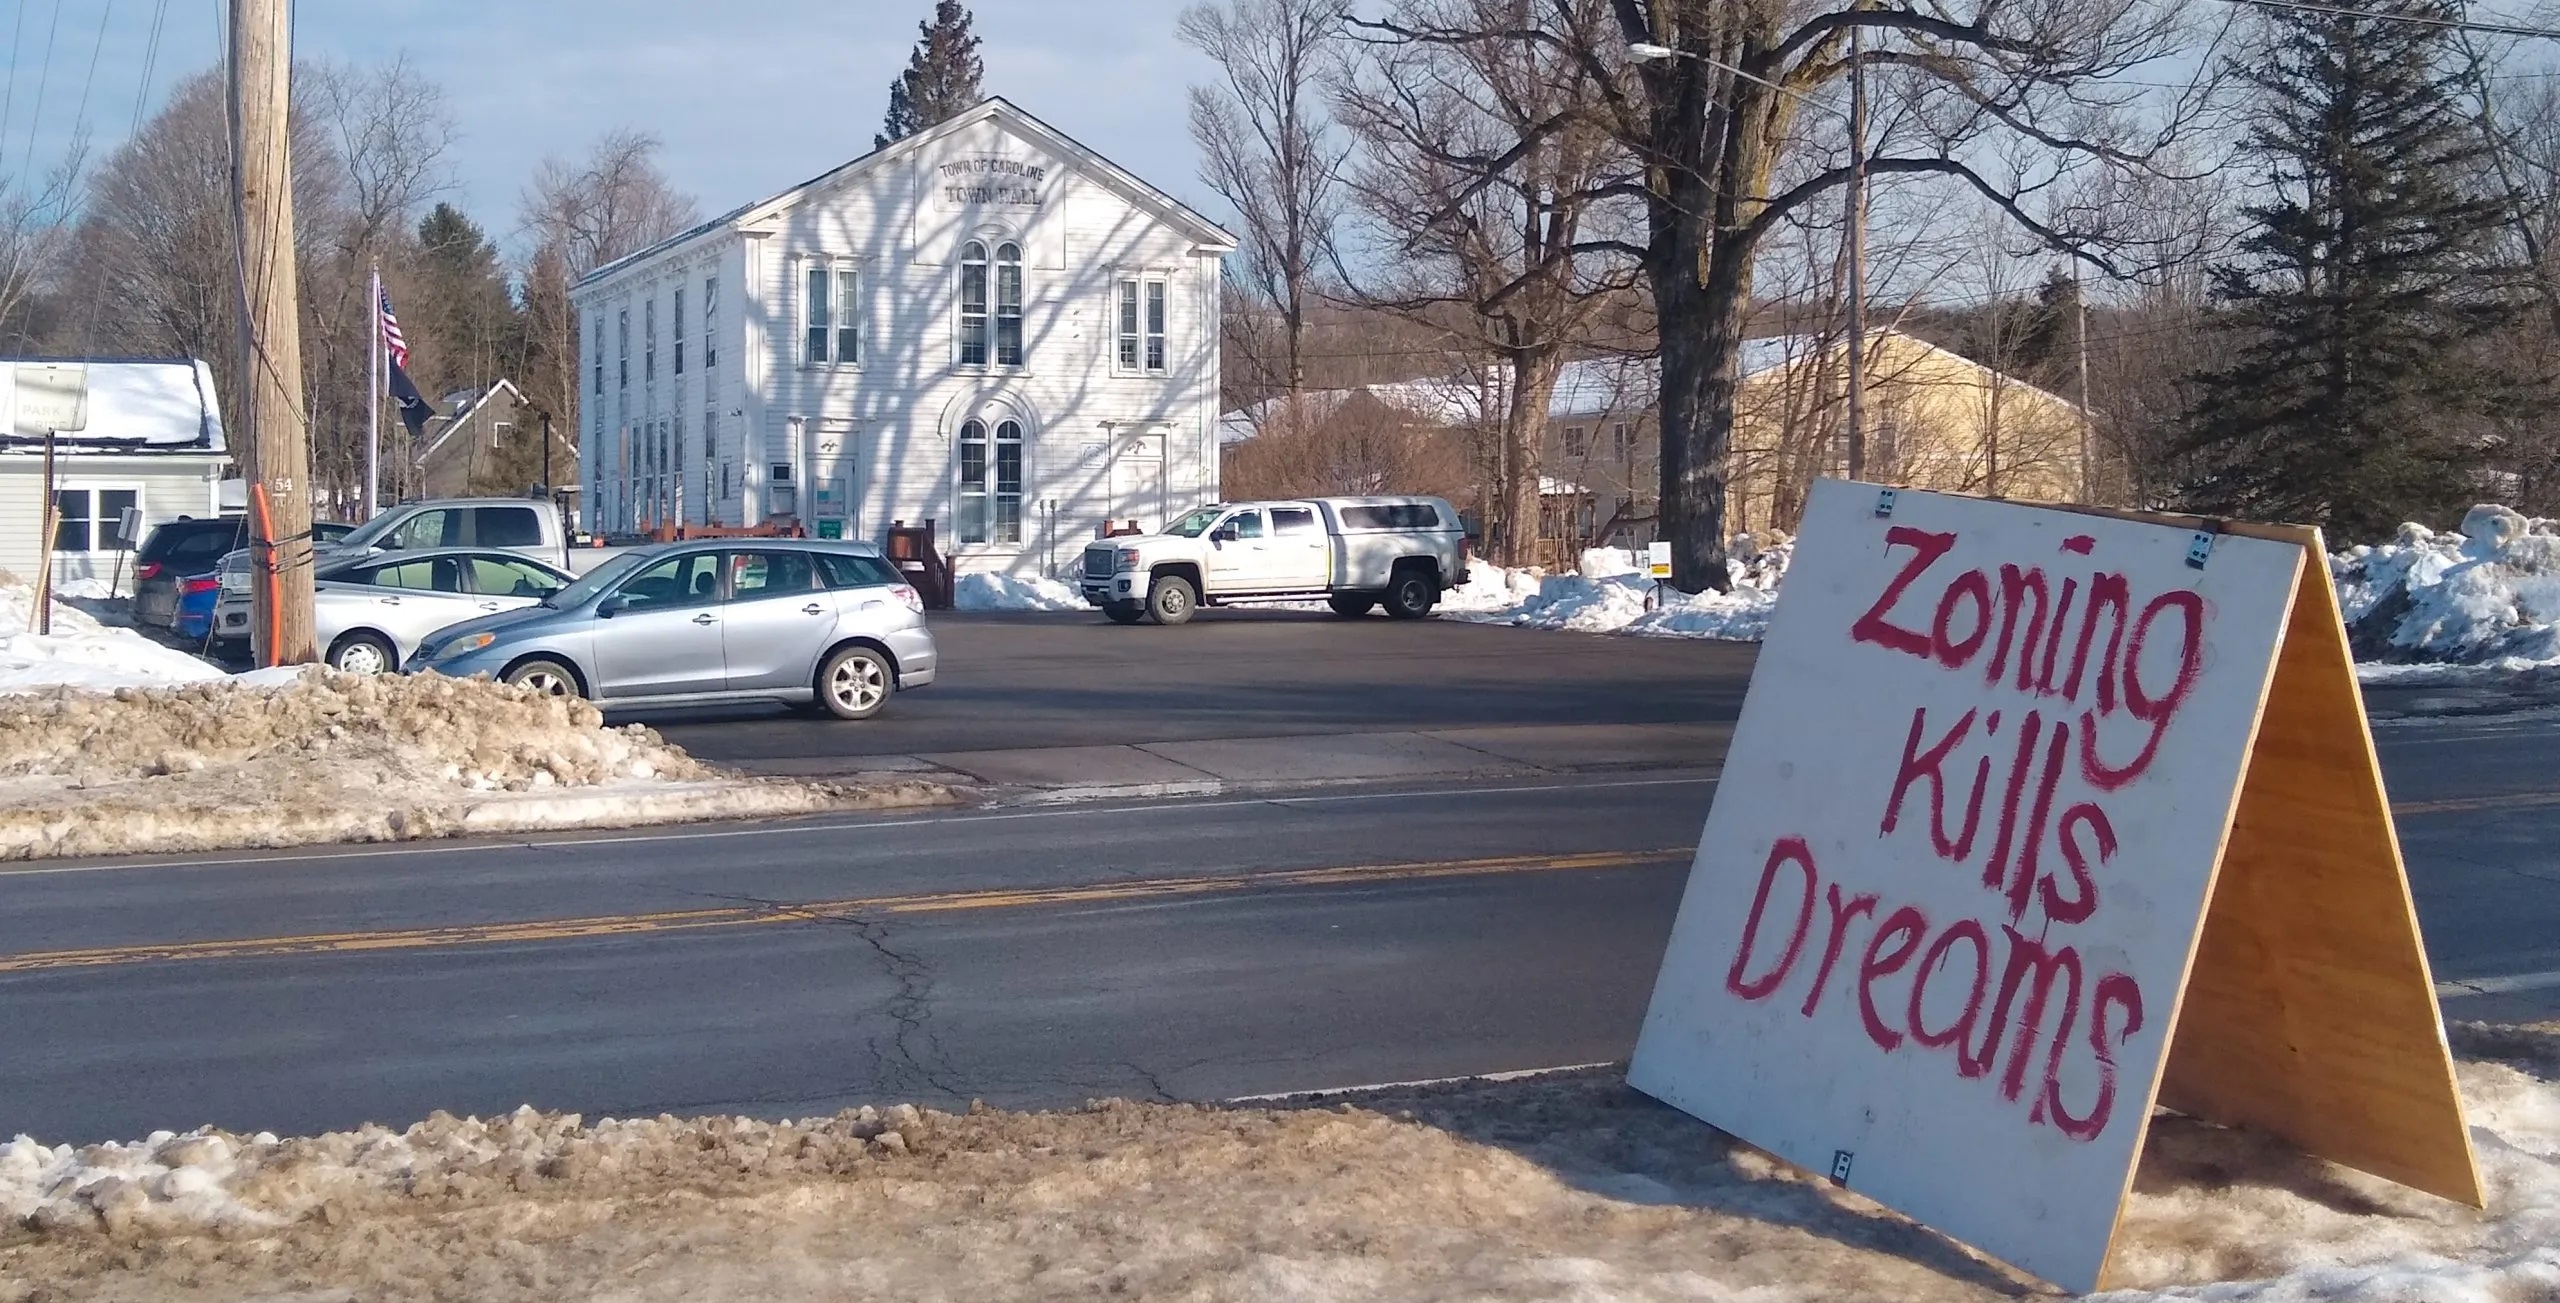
(1857, 254)
(2080, 305)
(373, 394)
(278, 465)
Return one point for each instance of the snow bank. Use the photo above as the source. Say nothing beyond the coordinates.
(82, 651)
(1558, 1187)
(981, 591)
(288, 757)
(1609, 593)
(2485, 596)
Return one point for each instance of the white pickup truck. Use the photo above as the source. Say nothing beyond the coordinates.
(1356, 553)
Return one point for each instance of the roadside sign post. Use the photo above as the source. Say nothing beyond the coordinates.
(2034, 818)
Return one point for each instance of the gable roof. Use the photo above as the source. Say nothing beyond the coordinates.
(463, 414)
(134, 404)
(992, 108)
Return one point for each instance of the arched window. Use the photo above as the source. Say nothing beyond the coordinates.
(973, 304)
(1008, 304)
(991, 482)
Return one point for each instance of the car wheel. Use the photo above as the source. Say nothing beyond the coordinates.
(1170, 599)
(1125, 612)
(364, 653)
(1352, 604)
(1411, 594)
(548, 677)
(855, 683)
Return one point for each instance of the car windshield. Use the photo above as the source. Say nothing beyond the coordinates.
(363, 536)
(1197, 523)
(604, 576)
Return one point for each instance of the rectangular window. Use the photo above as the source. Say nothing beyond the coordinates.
(1128, 324)
(599, 356)
(1286, 521)
(973, 306)
(1008, 306)
(71, 530)
(1577, 441)
(676, 331)
(710, 322)
(1155, 325)
(649, 340)
(817, 315)
(622, 336)
(848, 317)
(1618, 437)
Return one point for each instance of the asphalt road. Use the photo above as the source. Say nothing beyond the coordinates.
(1011, 681)
(1033, 956)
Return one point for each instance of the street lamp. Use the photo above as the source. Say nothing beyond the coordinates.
(1648, 52)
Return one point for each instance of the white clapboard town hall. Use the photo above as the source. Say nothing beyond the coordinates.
(985, 324)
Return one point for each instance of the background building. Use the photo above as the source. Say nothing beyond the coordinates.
(984, 324)
(153, 442)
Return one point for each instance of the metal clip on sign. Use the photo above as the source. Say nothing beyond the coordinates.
(1884, 503)
(2199, 550)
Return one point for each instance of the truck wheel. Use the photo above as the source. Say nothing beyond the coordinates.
(1411, 593)
(1170, 599)
(1352, 604)
(1125, 612)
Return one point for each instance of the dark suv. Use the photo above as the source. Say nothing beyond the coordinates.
(174, 553)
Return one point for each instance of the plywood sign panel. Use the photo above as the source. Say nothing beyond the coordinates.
(1952, 882)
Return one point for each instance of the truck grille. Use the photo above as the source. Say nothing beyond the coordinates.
(1100, 563)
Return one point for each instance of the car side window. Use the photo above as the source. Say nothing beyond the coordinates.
(1246, 524)
(692, 579)
(506, 527)
(754, 575)
(1293, 520)
(498, 577)
(429, 529)
(845, 570)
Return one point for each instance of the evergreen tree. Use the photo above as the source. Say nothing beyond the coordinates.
(2052, 338)
(464, 329)
(941, 78)
(2365, 273)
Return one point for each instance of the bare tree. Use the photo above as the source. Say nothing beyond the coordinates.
(35, 238)
(2008, 100)
(1485, 177)
(1267, 148)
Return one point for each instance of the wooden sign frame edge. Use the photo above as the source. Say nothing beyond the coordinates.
(2219, 1068)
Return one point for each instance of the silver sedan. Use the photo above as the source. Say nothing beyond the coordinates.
(369, 613)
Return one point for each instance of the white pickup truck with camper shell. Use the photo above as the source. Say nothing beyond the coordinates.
(1356, 553)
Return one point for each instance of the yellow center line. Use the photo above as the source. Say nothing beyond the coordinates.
(694, 920)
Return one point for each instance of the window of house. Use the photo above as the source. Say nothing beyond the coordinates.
(89, 517)
(1618, 438)
(599, 356)
(710, 322)
(848, 317)
(711, 461)
(1141, 324)
(973, 304)
(991, 482)
(675, 331)
(1577, 441)
(649, 340)
(817, 314)
(1008, 304)
(622, 337)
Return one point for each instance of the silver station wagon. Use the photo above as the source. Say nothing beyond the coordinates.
(826, 624)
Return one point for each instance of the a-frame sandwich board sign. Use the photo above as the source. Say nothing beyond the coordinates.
(2035, 818)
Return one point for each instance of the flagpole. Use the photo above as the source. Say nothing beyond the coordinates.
(373, 398)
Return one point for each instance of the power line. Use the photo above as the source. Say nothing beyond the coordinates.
(44, 75)
(80, 115)
(2423, 20)
(9, 98)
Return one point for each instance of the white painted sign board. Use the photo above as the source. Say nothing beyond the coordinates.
(48, 397)
(1948, 896)
(1657, 560)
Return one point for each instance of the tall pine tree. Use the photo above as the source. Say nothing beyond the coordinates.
(2366, 272)
(941, 78)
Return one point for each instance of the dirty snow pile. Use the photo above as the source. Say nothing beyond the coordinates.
(293, 757)
(2486, 596)
(81, 651)
(1559, 1187)
(993, 592)
(1609, 593)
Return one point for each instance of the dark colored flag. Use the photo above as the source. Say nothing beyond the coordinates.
(414, 409)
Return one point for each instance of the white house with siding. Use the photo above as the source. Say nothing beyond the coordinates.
(986, 325)
(152, 441)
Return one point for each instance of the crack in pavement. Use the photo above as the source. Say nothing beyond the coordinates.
(909, 1009)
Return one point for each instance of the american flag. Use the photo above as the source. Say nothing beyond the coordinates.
(392, 341)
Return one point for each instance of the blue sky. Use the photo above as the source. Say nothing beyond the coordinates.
(749, 96)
